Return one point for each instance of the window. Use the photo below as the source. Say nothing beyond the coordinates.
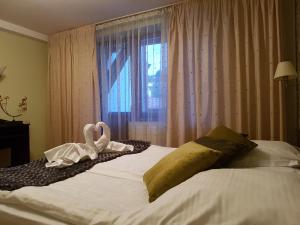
(144, 80)
(151, 94)
(132, 74)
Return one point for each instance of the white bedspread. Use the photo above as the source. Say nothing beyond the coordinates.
(226, 197)
(113, 193)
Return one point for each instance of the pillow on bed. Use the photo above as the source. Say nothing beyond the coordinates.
(269, 154)
(222, 132)
(177, 167)
(229, 149)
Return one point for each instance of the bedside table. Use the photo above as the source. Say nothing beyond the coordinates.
(14, 135)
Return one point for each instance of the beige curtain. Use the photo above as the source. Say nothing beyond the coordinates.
(222, 59)
(73, 84)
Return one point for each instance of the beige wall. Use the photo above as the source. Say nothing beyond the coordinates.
(26, 75)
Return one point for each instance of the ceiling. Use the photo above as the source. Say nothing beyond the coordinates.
(51, 16)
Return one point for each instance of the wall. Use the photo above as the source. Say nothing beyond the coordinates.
(26, 75)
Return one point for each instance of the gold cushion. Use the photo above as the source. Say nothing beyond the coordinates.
(224, 133)
(177, 167)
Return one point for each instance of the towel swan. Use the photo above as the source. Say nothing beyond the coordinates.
(88, 132)
(104, 143)
(70, 153)
(104, 140)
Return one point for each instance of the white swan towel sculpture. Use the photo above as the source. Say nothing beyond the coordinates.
(70, 153)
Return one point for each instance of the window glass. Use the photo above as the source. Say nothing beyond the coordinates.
(119, 96)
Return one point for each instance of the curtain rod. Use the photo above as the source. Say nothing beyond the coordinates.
(138, 13)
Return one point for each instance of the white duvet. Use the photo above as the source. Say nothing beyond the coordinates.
(114, 193)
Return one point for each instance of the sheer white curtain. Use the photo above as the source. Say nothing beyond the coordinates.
(132, 65)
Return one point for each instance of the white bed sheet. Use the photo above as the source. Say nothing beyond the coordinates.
(83, 196)
(113, 193)
(255, 196)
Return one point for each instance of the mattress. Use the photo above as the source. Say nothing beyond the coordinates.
(113, 192)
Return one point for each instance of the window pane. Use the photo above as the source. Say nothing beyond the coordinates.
(119, 96)
(153, 52)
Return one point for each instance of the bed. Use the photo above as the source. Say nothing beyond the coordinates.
(263, 187)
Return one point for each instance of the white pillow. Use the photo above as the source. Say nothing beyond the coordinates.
(269, 154)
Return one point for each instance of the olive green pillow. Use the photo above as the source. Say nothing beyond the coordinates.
(224, 133)
(229, 149)
(177, 167)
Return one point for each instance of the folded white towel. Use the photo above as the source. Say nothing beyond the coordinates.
(65, 155)
(70, 153)
(90, 147)
(103, 141)
(119, 147)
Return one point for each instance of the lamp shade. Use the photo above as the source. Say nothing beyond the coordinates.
(285, 69)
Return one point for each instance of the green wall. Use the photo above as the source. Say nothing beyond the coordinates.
(26, 75)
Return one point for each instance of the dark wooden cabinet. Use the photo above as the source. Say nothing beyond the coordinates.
(15, 136)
